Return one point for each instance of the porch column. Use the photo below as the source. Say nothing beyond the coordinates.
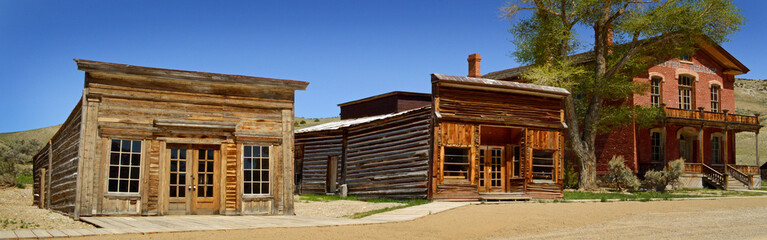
(756, 147)
(700, 144)
(726, 144)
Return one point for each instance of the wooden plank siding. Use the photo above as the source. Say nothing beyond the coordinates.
(164, 108)
(477, 106)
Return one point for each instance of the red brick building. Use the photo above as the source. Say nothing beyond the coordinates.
(700, 123)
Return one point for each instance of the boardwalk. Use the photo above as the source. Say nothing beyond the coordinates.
(146, 225)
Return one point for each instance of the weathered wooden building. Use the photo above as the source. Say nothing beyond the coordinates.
(472, 139)
(150, 141)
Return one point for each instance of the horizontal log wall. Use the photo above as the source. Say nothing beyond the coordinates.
(317, 148)
(63, 149)
(39, 162)
(389, 158)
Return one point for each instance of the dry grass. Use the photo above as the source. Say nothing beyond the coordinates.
(750, 98)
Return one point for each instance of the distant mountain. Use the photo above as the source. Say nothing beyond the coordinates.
(42, 135)
(751, 98)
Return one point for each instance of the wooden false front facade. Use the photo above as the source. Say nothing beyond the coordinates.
(480, 138)
(148, 141)
(496, 140)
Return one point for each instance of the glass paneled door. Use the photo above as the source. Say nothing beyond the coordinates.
(492, 169)
(193, 180)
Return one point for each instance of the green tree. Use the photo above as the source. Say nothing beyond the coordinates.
(644, 31)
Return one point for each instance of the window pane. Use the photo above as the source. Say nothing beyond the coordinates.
(114, 158)
(265, 163)
(135, 159)
(209, 191)
(134, 172)
(182, 153)
(123, 186)
(114, 172)
(201, 154)
(248, 164)
(182, 166)
(173, 166)
(256, 188)
(265, 176)
(210, 166)
(125, 159)
(124, 171)
(134, 186)
(173, 153)
(182, 178)
(264, 151)
(248, 189)
(200, 192)
(256, 152)
(210, 154)
(210, 178)
(126, 145)
(181, 191)
(115, 145)
(173, 178)
(256, 176)
(246, 176)
(173, 191)
(247, 151)
(264, 188)
(136, 146)
(112, 185)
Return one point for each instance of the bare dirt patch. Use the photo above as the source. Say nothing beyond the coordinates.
(17, 212)
(339, 208)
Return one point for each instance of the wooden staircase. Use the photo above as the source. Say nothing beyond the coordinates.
(732, 180)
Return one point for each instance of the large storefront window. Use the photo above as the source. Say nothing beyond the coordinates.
(456, 165)
(124, 166)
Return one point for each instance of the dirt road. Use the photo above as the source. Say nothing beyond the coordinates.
(692, 219)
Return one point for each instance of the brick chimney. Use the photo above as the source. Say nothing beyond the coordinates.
(474, 60)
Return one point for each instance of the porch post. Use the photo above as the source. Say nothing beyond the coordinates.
(663, 136)
(700, 144)
(726, 146)
(756, 147)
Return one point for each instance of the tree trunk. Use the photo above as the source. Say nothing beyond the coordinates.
(588, 168)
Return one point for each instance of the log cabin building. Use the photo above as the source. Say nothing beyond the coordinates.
(151, 141)
(470, 139)
(697, 96)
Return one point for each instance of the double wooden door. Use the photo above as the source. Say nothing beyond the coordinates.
(493, 174)
(193, 184)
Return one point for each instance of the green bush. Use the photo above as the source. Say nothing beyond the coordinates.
(658, 180)
(303, 122)
(572, 176)
(620, 175)
(8, 173)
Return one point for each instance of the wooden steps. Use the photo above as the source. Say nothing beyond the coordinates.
(516, 196)
(544, 190)
(458, 192)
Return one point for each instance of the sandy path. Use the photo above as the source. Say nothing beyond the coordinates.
(693, 219)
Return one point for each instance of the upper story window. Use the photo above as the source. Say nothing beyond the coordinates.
(685, 57)
(715, 98)
(124, 166)
(655, 91)
(255, 170)
(685, 92)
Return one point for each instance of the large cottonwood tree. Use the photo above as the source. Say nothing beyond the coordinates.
(644, 31)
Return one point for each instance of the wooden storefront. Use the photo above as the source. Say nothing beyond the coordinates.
(496, 140)
(477, 138)
(150, 141)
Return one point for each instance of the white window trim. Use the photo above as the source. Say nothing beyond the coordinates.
(242, 170)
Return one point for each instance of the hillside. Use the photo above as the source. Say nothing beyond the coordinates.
(41, 134)
(750, 98)
(308, 122)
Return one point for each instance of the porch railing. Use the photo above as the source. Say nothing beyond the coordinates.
(693, 168)
(740, 176)
(716, 177)
(709, 116)
(748, 170)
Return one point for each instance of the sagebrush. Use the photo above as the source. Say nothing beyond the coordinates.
(621, 176)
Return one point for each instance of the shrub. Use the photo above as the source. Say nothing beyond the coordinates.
(620, 175)
(572, 176)
(316, 120)
(303, 122)
(8, 173)
(658, 180)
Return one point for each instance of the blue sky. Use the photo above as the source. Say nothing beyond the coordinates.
(346, 49)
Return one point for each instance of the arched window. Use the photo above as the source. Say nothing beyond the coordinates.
(715, 98)
(686, 97)
(655, 91)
